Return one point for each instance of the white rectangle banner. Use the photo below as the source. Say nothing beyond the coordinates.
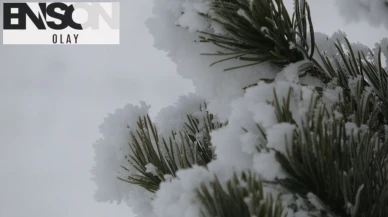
(61, 23)
(61, 37)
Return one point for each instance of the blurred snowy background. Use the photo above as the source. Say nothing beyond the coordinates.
(53, 98)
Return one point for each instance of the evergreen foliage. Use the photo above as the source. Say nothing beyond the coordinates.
(181, 150)
(262, 31)
(244, 197)
(338, 166)
(345, 167)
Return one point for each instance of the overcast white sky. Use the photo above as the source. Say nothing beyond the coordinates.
(53, 98)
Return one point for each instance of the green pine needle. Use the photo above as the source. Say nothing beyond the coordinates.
(182, 150)
(262, 31)
(243, 197)
(349, 173)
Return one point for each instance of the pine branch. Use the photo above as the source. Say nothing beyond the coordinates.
(262, 31)
(183, 149)
(352, 64)
(244, 197)
(348, 172)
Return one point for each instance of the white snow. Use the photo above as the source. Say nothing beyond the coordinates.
(177, 198)
(150, 168)
(242, 13)
(351, 128)
(279, 136)
(264, 30)
(266, 165)
(172, 118)
(110, 156)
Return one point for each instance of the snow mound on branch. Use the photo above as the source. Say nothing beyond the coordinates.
(212, 84)
(236, 149)
(177, 198)
(110, 153)
(111, 149)
(279, 142)
(252, 110)
(172, 118)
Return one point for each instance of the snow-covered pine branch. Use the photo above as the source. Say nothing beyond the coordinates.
(299, 131)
